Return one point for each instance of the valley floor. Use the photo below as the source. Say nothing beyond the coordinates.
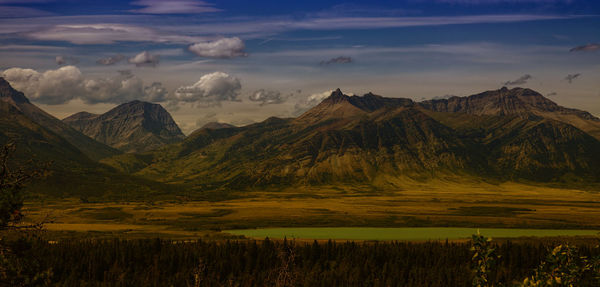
(508, 205)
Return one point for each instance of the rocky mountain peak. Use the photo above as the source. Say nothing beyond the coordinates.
(336, 97)
(131, 127)
(8, 94)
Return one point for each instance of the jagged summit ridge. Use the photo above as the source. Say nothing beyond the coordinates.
(368, 102)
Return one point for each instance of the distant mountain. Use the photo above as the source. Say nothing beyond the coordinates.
(217, 125)
(504, 134)
(131, 127)
(91, 148)
(520, 102)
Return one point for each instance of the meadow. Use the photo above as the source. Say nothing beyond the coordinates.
(438, 204)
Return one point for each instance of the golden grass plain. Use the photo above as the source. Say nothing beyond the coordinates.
(432, 204)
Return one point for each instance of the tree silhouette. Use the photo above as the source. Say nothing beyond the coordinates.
(12, 181)
(15, 268)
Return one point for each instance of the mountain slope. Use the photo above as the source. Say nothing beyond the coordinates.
(382, 141)
(71, 172)
(131, 127)
(344, 139)
(36, 142)
(91, 148)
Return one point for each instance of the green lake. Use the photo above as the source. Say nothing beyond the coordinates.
(403, 233)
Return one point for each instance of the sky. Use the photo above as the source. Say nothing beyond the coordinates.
(241, 62)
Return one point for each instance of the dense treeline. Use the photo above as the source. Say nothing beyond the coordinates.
(271, 263)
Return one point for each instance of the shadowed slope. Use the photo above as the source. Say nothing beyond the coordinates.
(88, 146)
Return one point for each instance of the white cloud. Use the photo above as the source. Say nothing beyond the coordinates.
(210, 90)
(144, 59)
(51, 87)
(66, 83)
(221, 48)
(173, 7)
(309, 102)
(156, 92)
(107, 34)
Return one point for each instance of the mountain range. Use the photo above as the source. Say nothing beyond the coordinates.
(506, 134)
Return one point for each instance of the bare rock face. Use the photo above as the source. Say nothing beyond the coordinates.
(131, 127)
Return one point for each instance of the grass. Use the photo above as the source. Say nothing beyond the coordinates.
(435, 204)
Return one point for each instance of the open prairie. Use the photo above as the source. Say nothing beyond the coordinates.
(439, 204)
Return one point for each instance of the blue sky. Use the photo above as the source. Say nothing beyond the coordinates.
(243, 61)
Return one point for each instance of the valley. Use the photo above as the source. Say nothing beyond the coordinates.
(435, 204)
(507, 158)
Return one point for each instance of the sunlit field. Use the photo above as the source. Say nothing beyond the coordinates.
(483, 205)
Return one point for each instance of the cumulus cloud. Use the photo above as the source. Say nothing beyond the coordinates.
(156, 92)
(586, 48)
(173, 7)
(267, 97)
(50, 87)
(66, 60)
(110, 60)
(123, 87)
(66, 83)
(210, 90)
(571, 77)
(520, 81)
(337, 60)
(222, 48)
(144, 59)
(309, 102)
